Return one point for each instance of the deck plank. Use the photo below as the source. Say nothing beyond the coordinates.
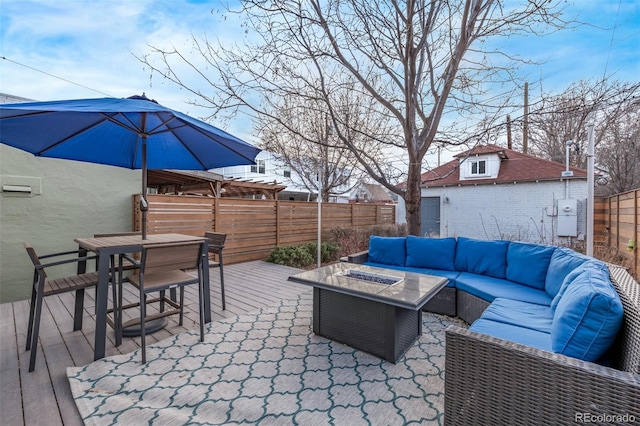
(57, 356)
(38, 397)
(44, 396)
(11, 402)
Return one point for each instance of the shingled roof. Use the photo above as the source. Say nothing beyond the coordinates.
(377, 192)
(515, 167)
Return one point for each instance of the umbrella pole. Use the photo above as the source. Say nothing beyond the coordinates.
(144, 204)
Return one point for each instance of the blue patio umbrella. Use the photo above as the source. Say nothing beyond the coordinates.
(135, 133)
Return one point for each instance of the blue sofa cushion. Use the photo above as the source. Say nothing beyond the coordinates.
(387, 250)
(450, 275)
(571, 276)
(588, 316)
(434, 253)
(482, 257)
(489, 289)
(563, 261)
(522, 314)
(528, 263)
(524, 336)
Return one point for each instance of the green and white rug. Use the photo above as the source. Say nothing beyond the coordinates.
(265, 368)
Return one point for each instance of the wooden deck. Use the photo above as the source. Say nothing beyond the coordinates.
(44, 396)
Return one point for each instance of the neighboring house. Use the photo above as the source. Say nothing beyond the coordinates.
(370, 193)
(491, 192)
(57, 201)
(269, 169)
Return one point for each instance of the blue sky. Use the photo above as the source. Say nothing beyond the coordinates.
(93, 43)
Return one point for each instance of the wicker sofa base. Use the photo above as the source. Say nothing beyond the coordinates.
(492, 381)
(443, 303)
(380, 329)
(470, 307)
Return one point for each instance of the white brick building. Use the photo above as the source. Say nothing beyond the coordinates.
(492, 192)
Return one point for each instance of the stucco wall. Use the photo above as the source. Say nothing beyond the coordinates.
(78, 199)
(509, 211)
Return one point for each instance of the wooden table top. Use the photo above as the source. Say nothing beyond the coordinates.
(96, 244)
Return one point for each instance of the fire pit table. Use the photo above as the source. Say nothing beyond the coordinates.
(372, 309)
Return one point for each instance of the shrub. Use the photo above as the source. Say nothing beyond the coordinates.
(341, 241)
(328, 250)
(296, 256)
(354, 240)
(303, 255)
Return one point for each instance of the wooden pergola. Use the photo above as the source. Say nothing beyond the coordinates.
(182, 182)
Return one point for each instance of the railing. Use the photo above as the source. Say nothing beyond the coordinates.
(617, 225)
(254, 227)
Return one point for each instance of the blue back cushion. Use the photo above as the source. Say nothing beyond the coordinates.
(527, 263)
(482, 257)
(563, 261)
(588, 316)
(387, 250)
(571, 276)
(434, 253)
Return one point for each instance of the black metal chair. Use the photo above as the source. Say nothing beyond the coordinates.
(43, 287)
(162, 267)
(216, 244)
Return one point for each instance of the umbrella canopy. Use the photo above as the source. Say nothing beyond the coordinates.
(136, 133)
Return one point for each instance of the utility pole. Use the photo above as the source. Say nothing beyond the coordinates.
(320, 214)
(590, 184)
(525, 124)
(509, 143)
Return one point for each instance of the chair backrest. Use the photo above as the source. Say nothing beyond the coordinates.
(216, 238)
(216, 241)
(171, 256)
(117, 234)
(34, 257)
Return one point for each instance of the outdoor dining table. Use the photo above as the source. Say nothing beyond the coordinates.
(105, 247)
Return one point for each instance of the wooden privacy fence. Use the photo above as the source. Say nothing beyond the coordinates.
(617, 222)
(254, 227)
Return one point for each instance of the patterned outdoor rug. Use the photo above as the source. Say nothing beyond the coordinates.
(265, 368)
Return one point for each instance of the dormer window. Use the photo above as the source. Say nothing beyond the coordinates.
(478, 167)
(259, 167)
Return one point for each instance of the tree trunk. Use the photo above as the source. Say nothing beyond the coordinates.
(412, 200)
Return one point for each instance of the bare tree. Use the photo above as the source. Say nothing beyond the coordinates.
(308, 143)
(429, 68)
(558, 119)
(613, 107)
(618, 155)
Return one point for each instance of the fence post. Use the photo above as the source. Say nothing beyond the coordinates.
(610, 221)
(216, 213)
(277, 223)
(352, 205)
(636, 226)
(618, 222)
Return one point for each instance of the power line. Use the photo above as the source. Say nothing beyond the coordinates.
(613, 34)
(55, 76)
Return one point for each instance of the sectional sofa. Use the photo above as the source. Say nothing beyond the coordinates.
(552, 332)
